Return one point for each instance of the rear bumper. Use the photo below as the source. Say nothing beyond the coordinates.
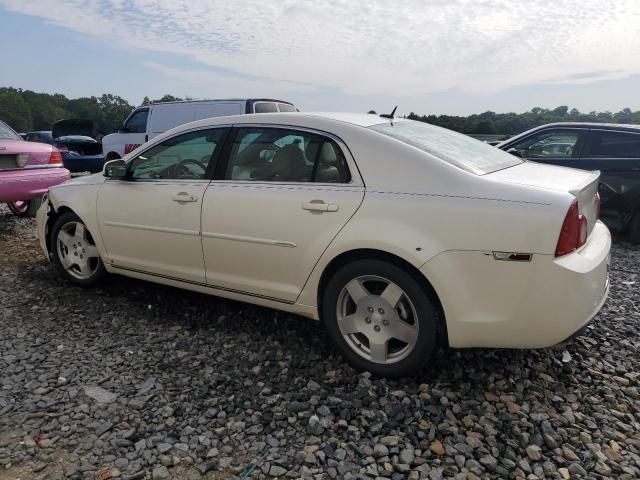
(29, 183)
(502, 304)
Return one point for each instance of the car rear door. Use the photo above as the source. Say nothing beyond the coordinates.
(276, 203)
(616, 153)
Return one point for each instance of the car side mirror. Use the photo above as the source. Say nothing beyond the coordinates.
(115, 169)
(515, 153)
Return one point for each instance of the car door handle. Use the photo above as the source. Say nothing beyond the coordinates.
(319, 206)
(184, 197)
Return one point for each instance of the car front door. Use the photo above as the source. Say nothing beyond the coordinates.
(276, 203)
(150, 221)
(556, 146)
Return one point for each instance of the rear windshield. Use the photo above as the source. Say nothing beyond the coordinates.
(7, 133)
(458, 149)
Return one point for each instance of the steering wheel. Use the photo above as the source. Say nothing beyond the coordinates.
(182, 170)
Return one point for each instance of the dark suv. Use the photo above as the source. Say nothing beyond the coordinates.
(612, 149)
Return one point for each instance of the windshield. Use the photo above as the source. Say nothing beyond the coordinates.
(7, 133)
(458, 149)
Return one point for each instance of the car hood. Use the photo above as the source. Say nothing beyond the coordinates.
(73, 127)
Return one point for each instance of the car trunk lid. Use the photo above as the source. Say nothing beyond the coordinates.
(581, 184)
(73, 127)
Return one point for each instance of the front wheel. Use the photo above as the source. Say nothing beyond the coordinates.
(75, 252)
(25, 208)
(380, 318)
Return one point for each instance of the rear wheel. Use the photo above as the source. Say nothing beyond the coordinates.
(380, 318)
(75, 252)
(25, 208)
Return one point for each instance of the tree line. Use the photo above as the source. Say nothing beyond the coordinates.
(25, 110)
(507, 124)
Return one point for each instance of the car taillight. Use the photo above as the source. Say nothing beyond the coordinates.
(574, 231)
(598, 205)
(55, 158)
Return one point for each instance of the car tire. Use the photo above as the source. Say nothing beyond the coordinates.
(634, 228)
(74, 251)
(368, 305)
(25, 208)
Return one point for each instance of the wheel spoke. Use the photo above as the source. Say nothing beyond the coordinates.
(65, 238)
(91, 251)
(84, 267)
(392, 294)
(378, 351)
(349, 324)
(356, 290)
(66, 261)
(403, 331)
(81, 233)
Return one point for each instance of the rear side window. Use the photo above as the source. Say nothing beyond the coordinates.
(285, 107)
(605, 144)
(283, 155)
(7, 133)
(264, 107)
(137, 123)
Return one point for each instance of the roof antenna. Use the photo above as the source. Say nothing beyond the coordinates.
(389, 115)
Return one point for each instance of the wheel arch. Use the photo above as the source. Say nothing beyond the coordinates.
(368, 253)
(112, 156)
(51, 219)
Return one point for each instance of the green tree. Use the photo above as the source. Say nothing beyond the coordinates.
(15, 111)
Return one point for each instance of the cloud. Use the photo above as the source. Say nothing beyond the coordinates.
(377, 47)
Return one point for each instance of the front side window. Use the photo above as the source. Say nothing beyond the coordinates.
(605, 144)
(283, 155)
(183, 157)
(137, 123)
(549, 144)
(452, 147)
(265, 107)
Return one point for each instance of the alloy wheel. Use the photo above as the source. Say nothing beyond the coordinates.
(77, 251)
(377, 319)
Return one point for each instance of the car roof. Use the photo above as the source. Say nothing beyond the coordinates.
(302, 119)
(603, 126)
(220, 100)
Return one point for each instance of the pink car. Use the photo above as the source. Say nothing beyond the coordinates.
(27, 170)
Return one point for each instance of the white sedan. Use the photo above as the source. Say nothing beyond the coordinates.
(398, 235)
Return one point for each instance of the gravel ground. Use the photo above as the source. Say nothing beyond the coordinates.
(136, 380)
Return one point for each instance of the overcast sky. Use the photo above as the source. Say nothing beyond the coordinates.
(427, 56)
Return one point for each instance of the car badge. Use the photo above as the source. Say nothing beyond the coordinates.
(3, 148)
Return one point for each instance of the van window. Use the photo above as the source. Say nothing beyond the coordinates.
(285, 107)
(264, 107)
(137, 123)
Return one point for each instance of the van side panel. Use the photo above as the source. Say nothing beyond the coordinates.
(217, 109)
(165, 117)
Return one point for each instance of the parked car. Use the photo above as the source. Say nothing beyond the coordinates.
(399, 235)
(612, 149)
(76, 140)
(148, 121)
(27, 170)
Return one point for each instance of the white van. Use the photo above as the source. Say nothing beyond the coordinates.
(147, 121)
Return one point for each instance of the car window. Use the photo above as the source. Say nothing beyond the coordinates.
(285, 107)
(137, 123)
(548, 144)
(7, 133)
(283, 155)
(183, 157)
(613, 145)
(265, 107)
(452, 147)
